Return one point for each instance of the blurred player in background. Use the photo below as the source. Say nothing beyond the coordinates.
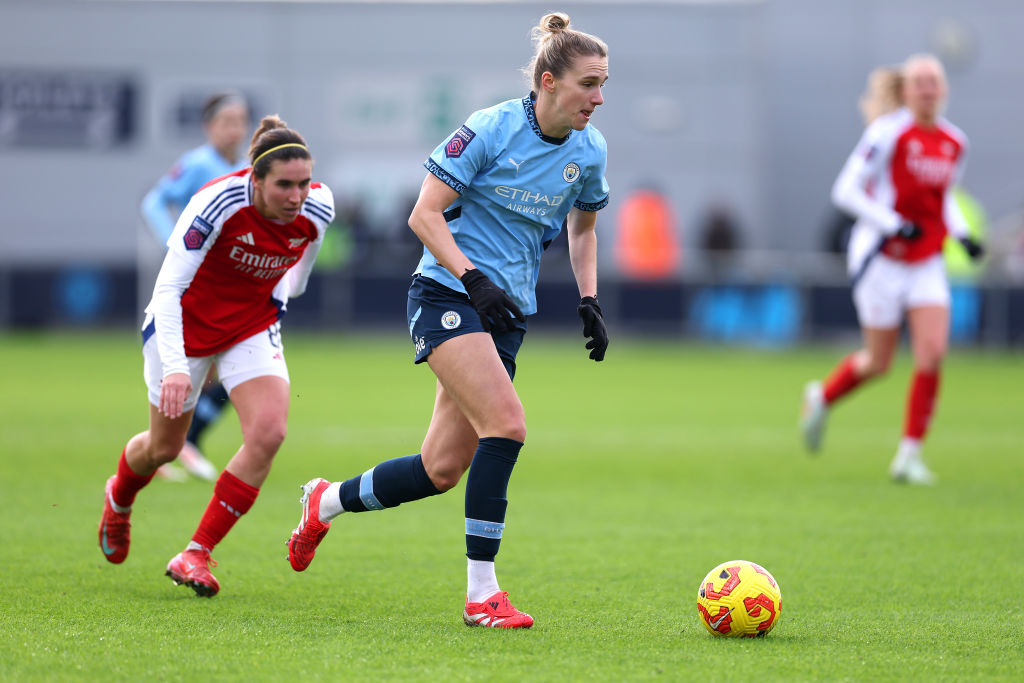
(225, 122)
(898, 184)
(244, 244)
(883, 95)
(496, 194)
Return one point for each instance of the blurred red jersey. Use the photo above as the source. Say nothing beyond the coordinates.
(923, 169)
(901, 171)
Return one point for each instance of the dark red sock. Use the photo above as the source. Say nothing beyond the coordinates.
(127, 483)
(924, 388)
(232, 498)
(843, 380)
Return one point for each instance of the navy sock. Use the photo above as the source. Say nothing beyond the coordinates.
(486, 488)
(208, 408)
(387, 485)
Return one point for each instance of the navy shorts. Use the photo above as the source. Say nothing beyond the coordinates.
(437, 313)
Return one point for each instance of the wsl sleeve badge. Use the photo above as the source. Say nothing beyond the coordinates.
(457, 145)
(195, 236)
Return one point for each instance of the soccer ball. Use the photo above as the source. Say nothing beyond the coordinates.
(739, 599)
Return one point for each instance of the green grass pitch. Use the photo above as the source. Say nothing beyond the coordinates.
(639, 475)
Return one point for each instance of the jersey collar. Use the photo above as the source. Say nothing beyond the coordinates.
(531, 116)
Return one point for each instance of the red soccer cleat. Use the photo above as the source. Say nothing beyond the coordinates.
(304, 540)
(189, 567)
(495, 612)
(115, 529)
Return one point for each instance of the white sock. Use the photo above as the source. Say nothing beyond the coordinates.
(120, 509)
(910, 449)
(192, 545)
(330, 503)
(482, 582)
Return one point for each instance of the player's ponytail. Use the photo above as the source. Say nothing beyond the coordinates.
(275, 141)
(557, 46)
(883, 95)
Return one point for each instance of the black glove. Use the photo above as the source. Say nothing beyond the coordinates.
(973, 247)
(593, 326)
(491, 302)
(908, 231)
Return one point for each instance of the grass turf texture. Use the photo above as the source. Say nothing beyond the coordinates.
(640, 474)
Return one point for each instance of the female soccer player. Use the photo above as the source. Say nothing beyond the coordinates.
(225, 122)
(898, 184)
(496, 194)
(244, 244)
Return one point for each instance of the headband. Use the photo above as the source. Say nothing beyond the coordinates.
(274, 149)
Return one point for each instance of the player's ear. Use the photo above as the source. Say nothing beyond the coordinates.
(547, 81)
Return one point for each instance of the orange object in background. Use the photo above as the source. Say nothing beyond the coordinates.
(647, 247)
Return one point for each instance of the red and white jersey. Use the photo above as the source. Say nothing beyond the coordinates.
(229, 271)
(901, 172)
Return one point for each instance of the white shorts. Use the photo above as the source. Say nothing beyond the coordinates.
(258, 356)
(889, 287)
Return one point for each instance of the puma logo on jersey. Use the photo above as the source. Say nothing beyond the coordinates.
(246, 239)
(513, 162)
(296, 242)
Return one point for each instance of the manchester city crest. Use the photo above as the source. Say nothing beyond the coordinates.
(571, 172)
(451, 320)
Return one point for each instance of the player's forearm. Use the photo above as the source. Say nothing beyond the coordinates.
(583, 252)
(432, 229)
(156, 215)
(848, 194)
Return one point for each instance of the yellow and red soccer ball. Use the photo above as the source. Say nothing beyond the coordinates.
(739, 599)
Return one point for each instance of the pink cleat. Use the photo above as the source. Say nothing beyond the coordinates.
(495, 612)
(115, 528)
(307, 536)
(190, 567)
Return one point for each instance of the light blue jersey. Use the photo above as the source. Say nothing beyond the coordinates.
(162, 204)
(517, 187)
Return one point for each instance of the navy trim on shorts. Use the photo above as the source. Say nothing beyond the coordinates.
(867, 262)
(148, 331)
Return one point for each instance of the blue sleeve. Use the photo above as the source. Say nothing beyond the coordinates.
(458, 159)
(595, 192)
(157, 214)
(162, 204)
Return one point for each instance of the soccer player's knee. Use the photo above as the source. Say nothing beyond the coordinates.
(268, 434)
(510, 423)
(513, 429)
